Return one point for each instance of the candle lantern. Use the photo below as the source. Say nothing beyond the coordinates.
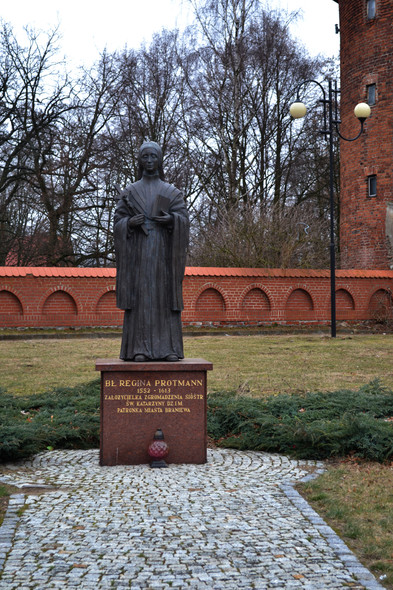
(158, 449)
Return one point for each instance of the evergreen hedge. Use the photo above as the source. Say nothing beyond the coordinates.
(312, 426)
(67, 418)
(316, 425)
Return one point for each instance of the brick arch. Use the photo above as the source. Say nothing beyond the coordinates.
(106, 309)
(255, 303)
(299, 305)
(344, 297)
(210, 304)
(206, 286)
(263, 288)
(10, 304)
(380, 306)
(49, 292)
(60, 305)
(106, 302)
(345, 304)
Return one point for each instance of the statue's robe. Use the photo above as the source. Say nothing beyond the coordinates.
(150, 261)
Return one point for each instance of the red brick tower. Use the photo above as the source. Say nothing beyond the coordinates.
(366, 211)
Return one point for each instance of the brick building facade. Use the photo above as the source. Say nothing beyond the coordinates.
(366, 197)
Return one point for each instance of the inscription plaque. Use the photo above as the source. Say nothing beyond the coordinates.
(139, 398)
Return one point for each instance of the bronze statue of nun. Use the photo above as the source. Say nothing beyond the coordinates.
(151, 229)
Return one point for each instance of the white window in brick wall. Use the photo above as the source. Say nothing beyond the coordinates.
(371, 9)
(372, 185)
(371, 94)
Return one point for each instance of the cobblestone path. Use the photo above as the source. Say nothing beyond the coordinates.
(234, 523)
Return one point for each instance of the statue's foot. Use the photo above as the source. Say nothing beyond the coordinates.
(172, 358)
(140, 358)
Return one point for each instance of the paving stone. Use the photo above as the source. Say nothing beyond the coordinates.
(235, 523)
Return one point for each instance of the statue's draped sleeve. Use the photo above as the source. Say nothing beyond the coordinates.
(125, 258)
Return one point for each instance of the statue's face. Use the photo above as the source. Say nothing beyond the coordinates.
(150, 161)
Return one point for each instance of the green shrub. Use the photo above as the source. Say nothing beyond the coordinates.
(315, 425)
(62, 418)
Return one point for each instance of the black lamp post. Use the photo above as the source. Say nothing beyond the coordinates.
(331, 122)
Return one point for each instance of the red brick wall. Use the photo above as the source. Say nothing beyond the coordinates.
(39, 297)
(366, 58)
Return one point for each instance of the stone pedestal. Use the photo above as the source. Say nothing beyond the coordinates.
(139, 398)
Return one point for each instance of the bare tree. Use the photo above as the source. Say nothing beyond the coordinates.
(241, 76)
(150, 104)
(66, 157)
(248, 237)
(215, 98)
(33, 96)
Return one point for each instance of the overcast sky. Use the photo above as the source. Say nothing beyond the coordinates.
(88, 26)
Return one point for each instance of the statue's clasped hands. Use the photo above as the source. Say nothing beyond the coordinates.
(164, 218)
(136, 220)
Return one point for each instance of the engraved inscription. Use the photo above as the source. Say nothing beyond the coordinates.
(153, 396)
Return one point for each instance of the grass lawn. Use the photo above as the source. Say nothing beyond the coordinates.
(355, 498)
(253, 365)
